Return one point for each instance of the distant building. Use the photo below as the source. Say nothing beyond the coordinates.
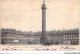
(71, 37)
(64, 37)
(11, 36)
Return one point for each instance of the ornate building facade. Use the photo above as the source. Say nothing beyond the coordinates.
(64, 37)
(11, 36)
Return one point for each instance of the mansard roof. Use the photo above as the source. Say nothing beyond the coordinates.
(54, 32)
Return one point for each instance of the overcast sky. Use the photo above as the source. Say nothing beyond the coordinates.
(26, 15)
